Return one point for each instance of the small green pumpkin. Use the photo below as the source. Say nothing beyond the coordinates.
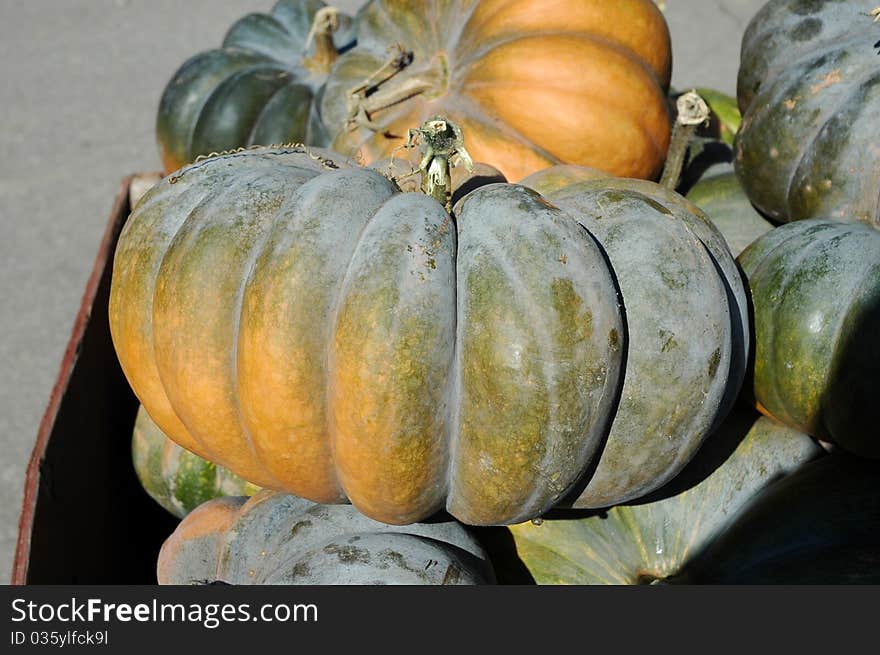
(262, 86)
(815, 288)
(275, 538)
(657, 540)
(809, 90)
(175, 478)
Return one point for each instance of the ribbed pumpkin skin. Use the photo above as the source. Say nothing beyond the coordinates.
(532, 83)
(255, 89)
(311, 328)
(686, 319)
(276, 538)
(174, 477)
(658, 540)
(809, 90)
(815, 288)
(723, 200)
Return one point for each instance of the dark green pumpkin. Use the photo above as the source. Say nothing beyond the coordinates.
(175, 478)
(809, 90)
(815, 288)
(821, 525)
(658, 540)
(262, 86)
(275, 538)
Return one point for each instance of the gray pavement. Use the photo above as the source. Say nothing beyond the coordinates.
(79, 85)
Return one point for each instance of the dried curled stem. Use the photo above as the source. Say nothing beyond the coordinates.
(439, 140)
(692, 112)
(324, 25)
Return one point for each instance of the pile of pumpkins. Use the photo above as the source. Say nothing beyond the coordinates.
(409, 306)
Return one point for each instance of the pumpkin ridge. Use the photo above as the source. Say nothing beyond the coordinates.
(598, 100)
(268, 105)
(832, 111)
(462, 65)
(235, 77)
(228, 190)
(805, 253)
(265, 21)
(826, 47)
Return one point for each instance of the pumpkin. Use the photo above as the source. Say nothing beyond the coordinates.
(726, 204)
(174, 477)
(305, 324)
(815, 288)
(659, 540)
(531, 84)
(275, 538)
(817, 526)
(262, 86)
(809, 90)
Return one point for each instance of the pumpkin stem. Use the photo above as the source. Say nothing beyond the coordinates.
(324, 24)
(692, 112)
(439, 140)
(374, 94)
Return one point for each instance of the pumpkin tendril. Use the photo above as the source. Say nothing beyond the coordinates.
(692, 112)
(288, 147)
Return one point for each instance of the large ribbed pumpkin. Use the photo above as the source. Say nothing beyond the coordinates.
(815, 287)
(531, 82)
(275, 538)
(307, 325)
(809, 90)
(261, 86)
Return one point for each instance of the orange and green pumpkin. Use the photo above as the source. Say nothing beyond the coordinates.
(809, 90)
(175, 478)
(302, 322)
(262, 86)
(275, 538)
(815, 289)
(531, 83)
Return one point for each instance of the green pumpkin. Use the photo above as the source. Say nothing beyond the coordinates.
(275, 538)
(817, 526)
(658, 540)
(175, 478)
(815, 288)
(722, 197)
(302, 322)
(262, 86)
(809, 90)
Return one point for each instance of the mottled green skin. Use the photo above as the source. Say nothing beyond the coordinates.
(821, 525)
(815, 288)
(657, 540)
(809, 90)
(174, 477)
(276, 538)
(254, 89)
(686, 331)
(723, 200)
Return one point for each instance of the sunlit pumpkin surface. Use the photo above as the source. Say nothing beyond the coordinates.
(310, 327)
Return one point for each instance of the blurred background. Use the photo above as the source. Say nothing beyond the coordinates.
(81, 80)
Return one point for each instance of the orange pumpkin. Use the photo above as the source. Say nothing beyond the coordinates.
(531, 82)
